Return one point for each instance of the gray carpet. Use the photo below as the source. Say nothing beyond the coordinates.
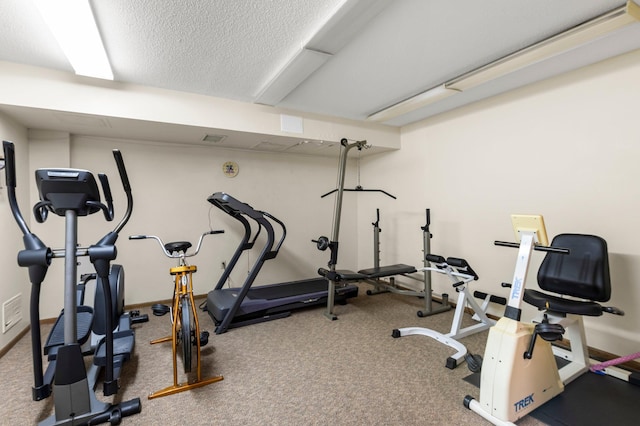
(301, 370)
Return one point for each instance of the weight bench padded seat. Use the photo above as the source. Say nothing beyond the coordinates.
(388, 271)
(344, 275)
(341, 275)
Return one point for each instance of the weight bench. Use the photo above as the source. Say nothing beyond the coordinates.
(374, 276)
(345, 275)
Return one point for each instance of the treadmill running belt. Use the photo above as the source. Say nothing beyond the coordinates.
(293, 288)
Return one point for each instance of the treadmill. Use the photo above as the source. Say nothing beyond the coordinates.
(236, 307)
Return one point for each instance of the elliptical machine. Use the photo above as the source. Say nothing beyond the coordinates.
(72, 193)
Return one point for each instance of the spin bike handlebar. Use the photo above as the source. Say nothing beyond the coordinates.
(176, 255)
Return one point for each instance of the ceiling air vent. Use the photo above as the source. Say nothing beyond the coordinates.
(214, 138)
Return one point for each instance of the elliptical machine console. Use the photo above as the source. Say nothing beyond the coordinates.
(69, 189)
(74, 193)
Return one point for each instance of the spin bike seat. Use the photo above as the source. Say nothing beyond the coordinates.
(179, 246)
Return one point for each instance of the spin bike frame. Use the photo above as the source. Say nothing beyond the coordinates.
(183, 291)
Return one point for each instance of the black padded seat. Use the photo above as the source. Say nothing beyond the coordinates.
(344, 275)
(583, 273)
(347, 275)
(388, 271)
(341, 275)
(179, 246)
(564, 306)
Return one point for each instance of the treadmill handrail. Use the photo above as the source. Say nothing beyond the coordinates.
(244, 245)
(253, 273)
(236, 208)
(241, 211)
(284, 232)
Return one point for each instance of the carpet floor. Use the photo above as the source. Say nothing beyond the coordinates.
(300, 370)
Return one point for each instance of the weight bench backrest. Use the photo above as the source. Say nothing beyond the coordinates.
(583, 273)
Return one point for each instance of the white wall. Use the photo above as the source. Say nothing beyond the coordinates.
(14, 280)
(567, 148)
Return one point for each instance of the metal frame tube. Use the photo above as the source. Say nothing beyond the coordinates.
(70, 271)
(336, 219)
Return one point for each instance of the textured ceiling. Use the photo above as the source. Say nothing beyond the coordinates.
(389, 51)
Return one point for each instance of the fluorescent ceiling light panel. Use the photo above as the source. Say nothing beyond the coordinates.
(340, 29)
(74, 27)
(418, 101)
(546, 49)
(295, 72)
(350, 19)
(561, 43)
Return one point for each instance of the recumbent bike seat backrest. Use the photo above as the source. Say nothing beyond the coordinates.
(583, 273)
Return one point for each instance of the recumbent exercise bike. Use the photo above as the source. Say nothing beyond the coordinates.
(519, 371)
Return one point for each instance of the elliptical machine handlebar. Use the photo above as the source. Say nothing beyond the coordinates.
(37, 256)
(106, 190)
(124, 178)
(10, 173)
(40, 209)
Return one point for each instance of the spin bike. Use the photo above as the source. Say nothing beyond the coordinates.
(74, 193)
(185, 332)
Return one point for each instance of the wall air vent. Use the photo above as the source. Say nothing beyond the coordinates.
(272, 146)
(214, 138)
(311, 146)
